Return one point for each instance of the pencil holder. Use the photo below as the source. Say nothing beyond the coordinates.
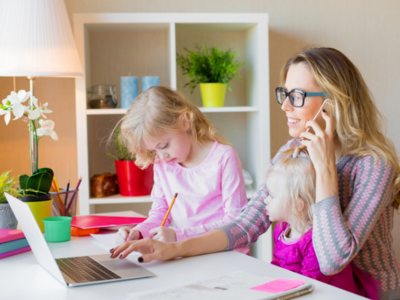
(57, 229)
(64, 203)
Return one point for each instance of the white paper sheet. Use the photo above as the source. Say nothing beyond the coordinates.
(233, 286)
(108, 241)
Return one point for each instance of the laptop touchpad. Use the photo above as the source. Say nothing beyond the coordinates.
(122, 267)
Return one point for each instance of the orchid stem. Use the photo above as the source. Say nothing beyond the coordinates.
(37, 144)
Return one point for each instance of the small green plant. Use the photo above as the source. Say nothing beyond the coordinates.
(209, 65)
(8, 185)
(118, 150)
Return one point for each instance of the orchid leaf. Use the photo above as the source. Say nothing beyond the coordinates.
(45, 170)
(40, 181)
(23, 179)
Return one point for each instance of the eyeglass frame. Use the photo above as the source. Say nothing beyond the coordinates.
(305, 94)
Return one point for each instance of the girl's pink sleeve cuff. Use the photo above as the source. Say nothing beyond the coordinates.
(179, 234)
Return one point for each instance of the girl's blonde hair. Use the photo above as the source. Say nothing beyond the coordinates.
(297, 187)
(357, 119)
(159, 110)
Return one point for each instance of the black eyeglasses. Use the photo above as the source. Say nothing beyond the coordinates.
(296, 97)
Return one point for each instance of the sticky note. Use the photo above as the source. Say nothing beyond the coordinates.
(279, 285)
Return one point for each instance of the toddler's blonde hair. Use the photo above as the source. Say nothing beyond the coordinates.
(297, 188)
(161, 110)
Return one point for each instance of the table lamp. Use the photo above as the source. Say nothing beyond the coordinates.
(36, 40)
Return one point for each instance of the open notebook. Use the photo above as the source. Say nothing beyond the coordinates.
(232, 286)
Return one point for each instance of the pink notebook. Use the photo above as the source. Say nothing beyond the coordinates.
(18, 251)
(86, 222)
(8, 235)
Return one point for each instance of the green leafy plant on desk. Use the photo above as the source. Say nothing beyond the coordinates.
(8, 185)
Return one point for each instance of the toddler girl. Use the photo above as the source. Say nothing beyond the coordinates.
(190, 158)
(291, 187)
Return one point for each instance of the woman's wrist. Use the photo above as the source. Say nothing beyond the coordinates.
(180, 249)
(326, 183)
(326, 169)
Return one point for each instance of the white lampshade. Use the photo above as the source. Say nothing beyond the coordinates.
(36, 39)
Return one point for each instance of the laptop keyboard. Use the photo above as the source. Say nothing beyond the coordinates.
(84, 269)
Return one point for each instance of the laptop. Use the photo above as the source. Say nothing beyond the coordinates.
(73, 271)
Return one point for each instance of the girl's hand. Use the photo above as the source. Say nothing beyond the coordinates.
(149, 248)
(163, 234)
(125, 234)
(321, 145)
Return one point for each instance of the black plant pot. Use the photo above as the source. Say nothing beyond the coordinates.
(31, 198)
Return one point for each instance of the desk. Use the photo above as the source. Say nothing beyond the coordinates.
(22, 278)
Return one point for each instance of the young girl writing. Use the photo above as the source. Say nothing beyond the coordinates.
(190, 158)
(291, 187)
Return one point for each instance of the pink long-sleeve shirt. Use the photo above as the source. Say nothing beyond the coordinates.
(209, 195)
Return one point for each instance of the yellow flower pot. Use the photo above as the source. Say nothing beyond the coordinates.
(41, 210)
(213, 94)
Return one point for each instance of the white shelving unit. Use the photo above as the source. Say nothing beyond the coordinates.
(111, 45)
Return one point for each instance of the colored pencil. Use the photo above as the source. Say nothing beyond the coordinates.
(55, 189)
(66, 195)
(77, 184)
(169, 210)
(57, 207)
(73, 197)
(56, 184)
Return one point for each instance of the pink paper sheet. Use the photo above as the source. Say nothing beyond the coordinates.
(278, 286)
(86, 222)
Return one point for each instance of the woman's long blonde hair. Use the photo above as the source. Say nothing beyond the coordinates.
(357, 119)
(157, 111)
(297, 187)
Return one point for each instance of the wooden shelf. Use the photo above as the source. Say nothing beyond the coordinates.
(229, 109)
(108, 111)
(117, 199)
(122, 111)
(114, 199)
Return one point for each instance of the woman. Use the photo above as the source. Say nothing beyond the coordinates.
(357, 171)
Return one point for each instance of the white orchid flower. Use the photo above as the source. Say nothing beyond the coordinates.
(7, 114)
(13, 104)
(38, 111)
(47, 129)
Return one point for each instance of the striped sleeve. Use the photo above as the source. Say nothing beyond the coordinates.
(250, 224)
(252, 220)
(338, 236)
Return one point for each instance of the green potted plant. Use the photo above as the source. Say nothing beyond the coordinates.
(35, 188)
(132, 180)
(7, 185)
(212, 69)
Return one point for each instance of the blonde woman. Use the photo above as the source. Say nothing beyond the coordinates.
(357, 175)
(191, 159)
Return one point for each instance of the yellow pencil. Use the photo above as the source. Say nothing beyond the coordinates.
(169, 210)
(58, 195)
(55, 182)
